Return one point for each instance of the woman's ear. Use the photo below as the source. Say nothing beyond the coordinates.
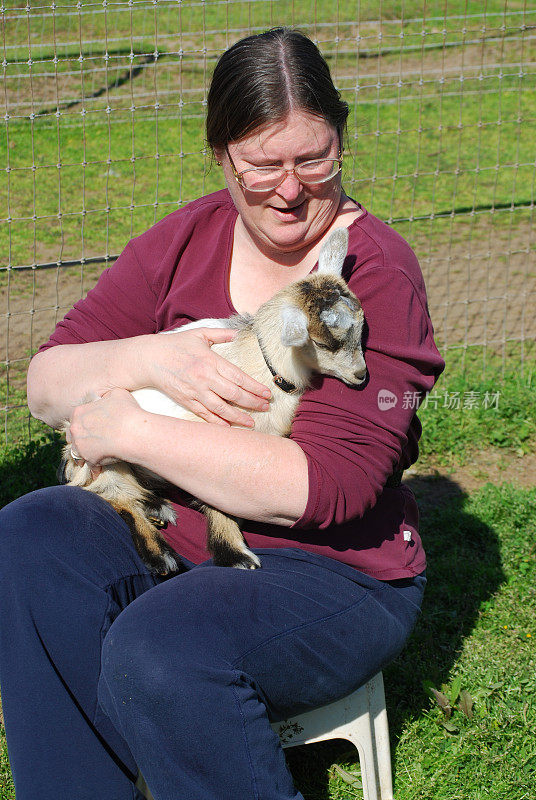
(219, 152)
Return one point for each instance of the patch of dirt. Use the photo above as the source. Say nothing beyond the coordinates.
(481, 282)
(436, 485)
(31, 303)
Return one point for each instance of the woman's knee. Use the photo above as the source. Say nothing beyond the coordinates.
(47, 529)
(156, 647)
(26, 522)
(133, 663)
(51, 506)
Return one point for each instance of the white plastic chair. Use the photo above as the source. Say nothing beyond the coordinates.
(361, 718)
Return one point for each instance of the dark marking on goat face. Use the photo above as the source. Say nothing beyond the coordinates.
(318, 293)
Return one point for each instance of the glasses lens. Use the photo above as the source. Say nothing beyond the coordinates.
(261, 179)
(317, 171)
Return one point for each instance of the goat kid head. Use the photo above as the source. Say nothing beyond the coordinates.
(323, 320)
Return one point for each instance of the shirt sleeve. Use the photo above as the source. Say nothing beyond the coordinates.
(120, 305)
(354, 438)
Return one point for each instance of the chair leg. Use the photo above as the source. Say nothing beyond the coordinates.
(369, 732)
(368, 767)
(380, 736)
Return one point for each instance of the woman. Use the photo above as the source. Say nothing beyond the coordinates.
(122, 671)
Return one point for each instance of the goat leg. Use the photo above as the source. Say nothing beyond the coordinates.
(225, 541)
(143, 508)
(151, 546)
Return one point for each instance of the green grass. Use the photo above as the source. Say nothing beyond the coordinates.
(467, 411)
(7, 789)
(27, 466)
(478, 626)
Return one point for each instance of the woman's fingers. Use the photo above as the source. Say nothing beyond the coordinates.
(242, 389)
(215, 335)
(191, 372)
(233, 373)
(203, 413)
(211, 407)
(220, 393)
(226, 385)
(233, 403)
(222, 409)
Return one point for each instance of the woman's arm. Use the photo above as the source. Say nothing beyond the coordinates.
(109, 338)
(63, 377)
(182, 365)
(243, 473)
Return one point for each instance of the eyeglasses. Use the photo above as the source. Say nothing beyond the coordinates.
(265, 179)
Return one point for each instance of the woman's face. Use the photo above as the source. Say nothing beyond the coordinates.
(294, 215)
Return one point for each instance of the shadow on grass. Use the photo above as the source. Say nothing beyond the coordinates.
(464, 570)
(29, 466)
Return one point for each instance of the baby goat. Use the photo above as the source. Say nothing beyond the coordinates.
(311, 326)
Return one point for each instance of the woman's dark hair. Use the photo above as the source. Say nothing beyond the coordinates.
(261, 78)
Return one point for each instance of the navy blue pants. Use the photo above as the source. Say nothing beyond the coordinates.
(105, 669)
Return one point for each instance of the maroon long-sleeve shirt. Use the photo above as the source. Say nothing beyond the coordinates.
(354, 439)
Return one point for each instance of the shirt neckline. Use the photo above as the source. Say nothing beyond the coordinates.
(229, 251)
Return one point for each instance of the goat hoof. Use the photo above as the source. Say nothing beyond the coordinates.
(157, 554)
(166, 566)
(238, 559)
(160, 516)
(245, 559)
(246, 564)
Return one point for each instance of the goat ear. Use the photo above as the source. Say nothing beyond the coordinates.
(294, 330)
(339, 316)
(333, 252)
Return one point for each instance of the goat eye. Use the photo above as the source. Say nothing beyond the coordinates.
(321, 345)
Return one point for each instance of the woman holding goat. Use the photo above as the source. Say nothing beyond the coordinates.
(108, 669)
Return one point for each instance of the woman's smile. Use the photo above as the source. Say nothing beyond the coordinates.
(290, 213)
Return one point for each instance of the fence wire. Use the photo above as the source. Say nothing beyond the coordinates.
(104, 106)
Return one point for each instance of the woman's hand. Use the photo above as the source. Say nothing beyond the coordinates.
(184, 366)
(98, 428)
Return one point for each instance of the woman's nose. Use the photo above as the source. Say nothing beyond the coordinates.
(290, 188)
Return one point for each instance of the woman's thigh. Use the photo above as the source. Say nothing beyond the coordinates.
(303, 628)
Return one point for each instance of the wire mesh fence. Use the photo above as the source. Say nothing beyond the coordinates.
(104, 106)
